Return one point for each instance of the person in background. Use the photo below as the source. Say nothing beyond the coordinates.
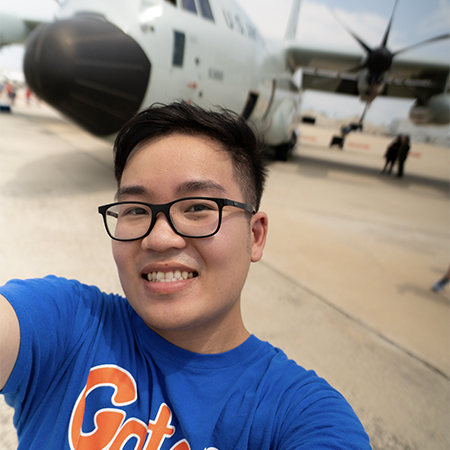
(402, 155)
(391, 154)
(442, 282)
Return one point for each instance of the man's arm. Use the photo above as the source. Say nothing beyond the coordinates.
(9, 340)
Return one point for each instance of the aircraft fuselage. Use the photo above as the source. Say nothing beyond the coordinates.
(111, 49)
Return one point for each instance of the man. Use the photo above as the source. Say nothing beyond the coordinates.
(440, 284)
(402, 155)
(391, 154)
(172, 366)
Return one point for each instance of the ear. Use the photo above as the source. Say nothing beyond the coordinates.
(259, 227)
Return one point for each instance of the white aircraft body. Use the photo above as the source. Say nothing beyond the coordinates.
(100, 61)
(103, 60)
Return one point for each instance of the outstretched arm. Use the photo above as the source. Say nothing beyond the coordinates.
(9, 340)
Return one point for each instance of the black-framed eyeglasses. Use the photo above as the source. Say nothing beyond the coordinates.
(191, 217)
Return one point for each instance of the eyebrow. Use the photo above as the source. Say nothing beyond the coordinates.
(192, 187)
(130, 190)
(186, 188)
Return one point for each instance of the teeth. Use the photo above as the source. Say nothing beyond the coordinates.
(167, 277)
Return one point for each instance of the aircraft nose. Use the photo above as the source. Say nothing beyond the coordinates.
(88, 69)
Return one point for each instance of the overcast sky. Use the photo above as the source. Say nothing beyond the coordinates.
(415, 20)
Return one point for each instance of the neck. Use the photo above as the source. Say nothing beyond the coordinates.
(209, 340)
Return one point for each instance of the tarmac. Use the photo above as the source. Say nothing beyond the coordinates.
(344, 286)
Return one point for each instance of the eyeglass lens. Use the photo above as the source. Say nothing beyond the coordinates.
(192, 217)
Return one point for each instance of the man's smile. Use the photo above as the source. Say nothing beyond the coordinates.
(167, 277)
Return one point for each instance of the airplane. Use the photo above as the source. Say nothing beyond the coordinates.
(103, 60)
(380, 73)
(100, 61)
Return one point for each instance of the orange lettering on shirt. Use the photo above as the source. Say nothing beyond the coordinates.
(160, 428)
(132, 428)
(107, 421)
(182, 445)
(110, 430)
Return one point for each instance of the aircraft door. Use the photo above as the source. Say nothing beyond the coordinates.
(185, 64)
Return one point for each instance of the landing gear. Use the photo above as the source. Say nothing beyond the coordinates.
(284, 150)
(340, 140)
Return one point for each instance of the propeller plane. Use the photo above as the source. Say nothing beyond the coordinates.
(100, 61)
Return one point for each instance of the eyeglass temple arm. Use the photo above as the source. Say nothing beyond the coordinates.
(245, 206)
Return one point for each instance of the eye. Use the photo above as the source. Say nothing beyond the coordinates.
(194, 209)
(138, 211)
(199, 207)
(134, 210)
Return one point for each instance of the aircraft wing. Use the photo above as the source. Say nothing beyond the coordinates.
(334, 71)
(14, 29)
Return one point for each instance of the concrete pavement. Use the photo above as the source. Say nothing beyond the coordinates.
(344, 285)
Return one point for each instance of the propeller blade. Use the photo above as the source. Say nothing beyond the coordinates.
(357, 38)
(388, 29)
(437, 38)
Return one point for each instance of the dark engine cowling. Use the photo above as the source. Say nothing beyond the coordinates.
(88, 69)
(435, 111)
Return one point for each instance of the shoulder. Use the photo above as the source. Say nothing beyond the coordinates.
(39, 286)
(307, 404)
(58, 304)
(49, 289)
(56, 318)
(289, 379)
(305, 385)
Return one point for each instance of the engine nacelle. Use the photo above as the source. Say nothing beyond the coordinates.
(370, 85)
(436, 111)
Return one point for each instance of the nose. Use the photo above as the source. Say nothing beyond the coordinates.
(162, 236)
(88, 69)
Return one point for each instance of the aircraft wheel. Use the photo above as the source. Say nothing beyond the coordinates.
(284, 151)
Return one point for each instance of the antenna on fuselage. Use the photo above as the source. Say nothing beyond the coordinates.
(291, 29)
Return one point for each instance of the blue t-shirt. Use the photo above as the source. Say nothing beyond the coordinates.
(91, 375)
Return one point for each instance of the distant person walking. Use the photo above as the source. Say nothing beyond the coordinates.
(402, 155)
(28, 95)
(442, 282)
(391, 154)
(11, 92)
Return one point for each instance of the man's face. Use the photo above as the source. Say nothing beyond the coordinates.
(200, 313)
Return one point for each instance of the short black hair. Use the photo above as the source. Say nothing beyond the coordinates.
(237, 138)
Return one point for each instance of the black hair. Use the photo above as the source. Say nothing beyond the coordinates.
(236, 137)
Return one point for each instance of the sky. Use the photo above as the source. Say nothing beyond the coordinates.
(414, 21)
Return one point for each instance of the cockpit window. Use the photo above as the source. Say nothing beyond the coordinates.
(205, 9)
(189, 5)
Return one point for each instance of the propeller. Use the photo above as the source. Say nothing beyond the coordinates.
(379, 60)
